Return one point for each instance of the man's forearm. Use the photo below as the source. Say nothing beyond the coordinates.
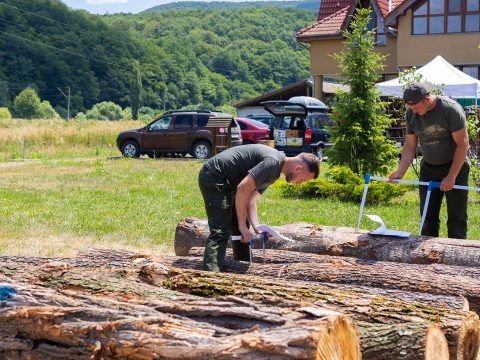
(458, 160)
(408, 153)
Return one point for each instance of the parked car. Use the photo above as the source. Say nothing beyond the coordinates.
(175, 132)
(264, 118)
(299, 126)
(253, 130)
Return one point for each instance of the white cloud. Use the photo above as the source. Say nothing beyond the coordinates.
(101, 2)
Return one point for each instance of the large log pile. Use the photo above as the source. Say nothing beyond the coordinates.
(334, 294)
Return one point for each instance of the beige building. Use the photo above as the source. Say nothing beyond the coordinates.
(410, 33)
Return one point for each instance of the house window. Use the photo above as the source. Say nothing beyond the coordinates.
(376, 23)
(470, 70)
(446, 16)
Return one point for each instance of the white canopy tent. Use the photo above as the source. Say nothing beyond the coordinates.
(438, 71)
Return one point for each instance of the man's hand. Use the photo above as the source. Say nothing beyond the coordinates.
(447, 183)
(247, 235)
(397, 174)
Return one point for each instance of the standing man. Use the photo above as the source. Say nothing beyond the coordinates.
(231, 182)
(440, 125)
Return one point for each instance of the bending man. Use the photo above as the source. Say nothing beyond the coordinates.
(231, 182)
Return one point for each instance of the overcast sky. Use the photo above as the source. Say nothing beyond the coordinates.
(114, 6)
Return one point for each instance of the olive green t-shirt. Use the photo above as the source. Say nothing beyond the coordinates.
(434, 130)
(263, 163)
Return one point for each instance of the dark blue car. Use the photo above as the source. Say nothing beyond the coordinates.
(299, 125)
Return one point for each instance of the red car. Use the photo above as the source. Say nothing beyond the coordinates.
(253, 130)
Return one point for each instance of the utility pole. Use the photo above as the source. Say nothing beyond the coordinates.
(68, 100)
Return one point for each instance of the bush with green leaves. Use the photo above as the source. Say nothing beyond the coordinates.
(5, 113)
(27, 104)
(106, 110)
(46, 111)
(344, 185)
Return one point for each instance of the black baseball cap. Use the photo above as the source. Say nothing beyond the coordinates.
(414, 93)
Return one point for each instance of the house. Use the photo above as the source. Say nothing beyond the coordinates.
(300, 88)
(409, 32)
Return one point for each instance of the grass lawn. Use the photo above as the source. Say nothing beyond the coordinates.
(58, 206)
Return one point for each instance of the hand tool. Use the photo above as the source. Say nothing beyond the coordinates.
(431, 185)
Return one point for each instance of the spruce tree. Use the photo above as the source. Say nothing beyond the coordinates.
(359, 115)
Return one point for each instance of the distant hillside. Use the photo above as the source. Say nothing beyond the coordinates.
(312, 5)
(201, 58)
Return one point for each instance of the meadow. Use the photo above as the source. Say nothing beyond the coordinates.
(66, 188)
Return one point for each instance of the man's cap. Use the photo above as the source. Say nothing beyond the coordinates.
(414, 93)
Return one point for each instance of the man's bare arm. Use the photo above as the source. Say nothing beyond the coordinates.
(461, 139)
(245, 193)
(408, 153)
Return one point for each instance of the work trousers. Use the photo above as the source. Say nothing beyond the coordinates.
(457, 201)
(219, 197)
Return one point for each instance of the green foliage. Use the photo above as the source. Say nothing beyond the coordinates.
(5, 113)
(46, 111)
(27, 104)
(106, 110)
(207, 57)
(359, 116)
(80, 117)
(344, 185)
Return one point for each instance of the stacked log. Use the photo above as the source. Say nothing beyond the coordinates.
(342, 241)
(86, 313)
(436, 273)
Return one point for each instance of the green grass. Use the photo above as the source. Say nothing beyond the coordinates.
(59, 206)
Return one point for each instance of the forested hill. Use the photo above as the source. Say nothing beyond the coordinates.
(227, 5)
(200, 58)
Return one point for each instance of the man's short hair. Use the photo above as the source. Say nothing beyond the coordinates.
(312, 161)
(416, 92)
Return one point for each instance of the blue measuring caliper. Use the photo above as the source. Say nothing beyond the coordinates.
(431, 185)
(263, 236)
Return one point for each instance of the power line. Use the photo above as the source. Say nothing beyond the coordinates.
(59, 22)
(63, 50)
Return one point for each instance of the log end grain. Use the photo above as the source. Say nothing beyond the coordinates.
(340, 340)
(469, 338)
(436, 346)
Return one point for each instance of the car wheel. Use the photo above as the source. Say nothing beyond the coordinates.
(319, 153)
(131, 149)
(202, 150)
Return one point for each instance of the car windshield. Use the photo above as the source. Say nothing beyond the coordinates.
(257, 123)
(319, 121)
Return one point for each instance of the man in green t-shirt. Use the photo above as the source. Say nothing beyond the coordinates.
(231, 182)
(440, 125)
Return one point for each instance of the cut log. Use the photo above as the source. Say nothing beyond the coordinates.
(407, 341)
(82, 326)
(461, 328)
(342, 241)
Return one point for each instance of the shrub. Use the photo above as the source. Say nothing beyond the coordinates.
(46, 111)
(80, 116)
(5, 113)
(344, 185)
(27, 104)
(106, 110)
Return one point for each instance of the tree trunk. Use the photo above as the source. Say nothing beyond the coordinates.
(75, 324)
(352, 242)
(407, 341)
(461, 328)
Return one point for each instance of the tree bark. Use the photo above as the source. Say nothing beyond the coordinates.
(407, 341)
(461, 328)
(343, 241)
(80, 325)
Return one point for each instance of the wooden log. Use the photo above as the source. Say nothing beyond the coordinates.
(406, 341)
(83, 326)
(342, 241)
(461, 328)
(275, 256)
(451, 301)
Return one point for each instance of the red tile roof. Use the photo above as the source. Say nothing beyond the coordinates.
(328, 26)
(330, 7)
(333, 13)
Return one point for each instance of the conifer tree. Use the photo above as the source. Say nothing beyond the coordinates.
(359, 115)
